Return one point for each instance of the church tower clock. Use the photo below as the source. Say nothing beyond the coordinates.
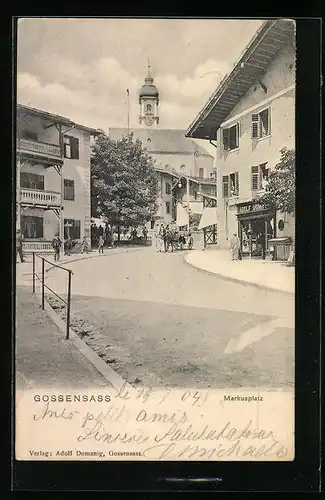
(149, 102)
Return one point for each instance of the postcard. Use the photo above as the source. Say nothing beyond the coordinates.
(155, 239)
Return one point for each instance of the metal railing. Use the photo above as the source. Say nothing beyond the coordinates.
(41, 279)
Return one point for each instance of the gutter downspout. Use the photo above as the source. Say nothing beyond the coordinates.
(61, 222)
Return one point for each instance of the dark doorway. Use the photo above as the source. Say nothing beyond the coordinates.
(254, 234)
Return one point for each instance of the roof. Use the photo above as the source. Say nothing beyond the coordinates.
(55, 118)
(251, 66)
(166, 141)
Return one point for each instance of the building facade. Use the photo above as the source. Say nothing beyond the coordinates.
(251, 117)
(53, 178)
(177, 159)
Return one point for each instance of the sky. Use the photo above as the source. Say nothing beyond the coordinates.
(81, 68)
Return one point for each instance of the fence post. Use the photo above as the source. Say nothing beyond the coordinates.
(42, 283)
(68, 305)
(33, 272)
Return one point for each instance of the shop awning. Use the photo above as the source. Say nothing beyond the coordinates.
(182, 216)
(196, 207)
(209, 217)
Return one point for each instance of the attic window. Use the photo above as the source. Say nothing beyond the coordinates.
(149, 140)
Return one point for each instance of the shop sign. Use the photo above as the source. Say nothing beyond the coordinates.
(250, 207)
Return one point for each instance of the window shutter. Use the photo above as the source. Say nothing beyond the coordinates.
(237, 183)
(39, 227)
(225, 186)
(77, 229)
(255, 121)
(269, 120)
(74, 148)
(255, 178)
(237, 135)
(225, 137)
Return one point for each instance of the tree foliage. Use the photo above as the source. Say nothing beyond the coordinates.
(280, 190)
(123, 181)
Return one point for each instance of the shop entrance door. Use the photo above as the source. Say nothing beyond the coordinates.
(254, 234)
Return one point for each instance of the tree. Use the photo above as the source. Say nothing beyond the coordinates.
(123, 181)
(280, 190)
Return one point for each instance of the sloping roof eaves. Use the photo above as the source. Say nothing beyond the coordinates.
(253, 63)
(55, 118)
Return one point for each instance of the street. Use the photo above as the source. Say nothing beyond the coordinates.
(159, 321)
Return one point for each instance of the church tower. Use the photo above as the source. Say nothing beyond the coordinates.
(149, 102)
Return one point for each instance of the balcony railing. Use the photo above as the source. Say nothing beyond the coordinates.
(38, 197)
(42, 148)
(38, 246)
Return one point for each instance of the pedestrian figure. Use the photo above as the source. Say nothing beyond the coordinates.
(181, 241)
(170, 238)
(19, 245)
(84, 245)
(145, 234)
(235, 247)
(101, 244)
(56, 244)
(165, 233)
(68, 246)
(190, 241)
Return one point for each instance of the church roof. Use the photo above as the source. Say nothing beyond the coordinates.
(162, 140)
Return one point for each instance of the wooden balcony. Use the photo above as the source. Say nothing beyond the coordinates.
(38, 198)
(43, 151)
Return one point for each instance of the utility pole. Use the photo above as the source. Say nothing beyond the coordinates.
(128, 108)
(188, 201)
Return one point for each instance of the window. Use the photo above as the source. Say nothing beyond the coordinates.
(201, 173)
(225, 186)
(167, 207)
(72, 229)
(231, 137)
(71, 147)
(32, 227)
(68, 189)
(152, 224)
(168, 188)
(28, 134)
(32, 181)
(261, 124)
(230, 185)
(260, 176)
(149, 107)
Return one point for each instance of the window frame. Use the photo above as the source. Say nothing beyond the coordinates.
(256, 124)
(257, 175)
(168, 208)
(226, 185)
(226, 137)
(69, 141)
(76, 228)
(30, 175)
(73, 196)
(37, 221)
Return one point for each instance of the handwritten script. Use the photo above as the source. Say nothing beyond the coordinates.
(151, 424)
